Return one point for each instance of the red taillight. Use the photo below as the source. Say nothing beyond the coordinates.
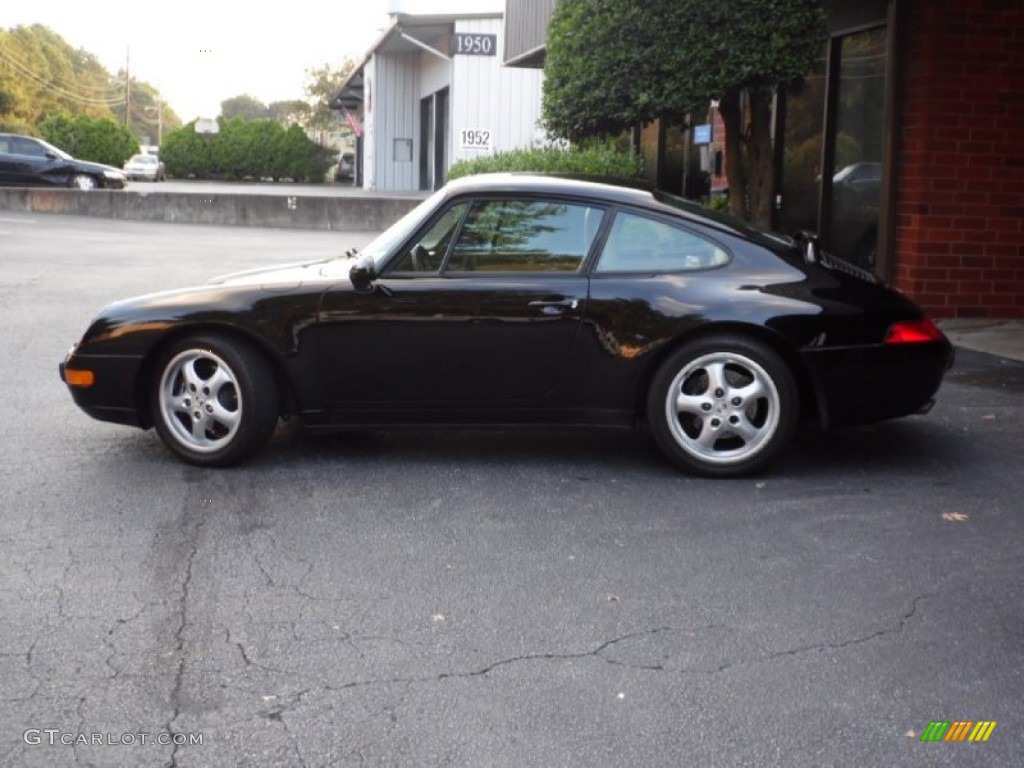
(913, 332)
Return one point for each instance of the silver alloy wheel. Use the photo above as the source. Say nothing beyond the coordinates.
(722, 408)
(82, 181)
(200, 400)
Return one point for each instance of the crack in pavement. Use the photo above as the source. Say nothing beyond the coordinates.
(192, 538)
(287, 701)
(901, 622)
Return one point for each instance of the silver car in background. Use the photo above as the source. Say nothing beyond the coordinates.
(145, 166)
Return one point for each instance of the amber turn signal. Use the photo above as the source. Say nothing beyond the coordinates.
(79, 378)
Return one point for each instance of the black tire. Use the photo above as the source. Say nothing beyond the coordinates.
(723, 406)
(214, 399)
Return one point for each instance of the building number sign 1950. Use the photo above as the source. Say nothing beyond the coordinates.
(476, 44)
(475, 138)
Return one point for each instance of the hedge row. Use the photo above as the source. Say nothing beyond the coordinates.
(245, 149)
(594, 160)
(100, 140)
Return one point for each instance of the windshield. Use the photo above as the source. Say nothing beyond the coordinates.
(59, 152)
(385, 243)
(143, 159)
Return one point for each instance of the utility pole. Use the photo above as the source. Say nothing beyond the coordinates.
(127, 87)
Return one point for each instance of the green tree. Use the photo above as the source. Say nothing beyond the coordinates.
(322, 85)
(152, 117)
(613, 64)
(289, 112)
(43, 75)
(245, 106)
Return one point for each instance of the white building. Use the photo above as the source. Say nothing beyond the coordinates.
(433, 90)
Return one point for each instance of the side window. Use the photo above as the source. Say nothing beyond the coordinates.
(28, 147)
(428, 252)
(639, 244)
(525, 236)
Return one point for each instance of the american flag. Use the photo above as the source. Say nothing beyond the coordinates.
(357, 129)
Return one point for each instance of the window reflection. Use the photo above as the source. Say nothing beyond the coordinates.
(859, 144)
(525, 236)
(640, 244)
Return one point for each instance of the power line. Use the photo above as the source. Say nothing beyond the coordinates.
(114, 85)
(41, 81)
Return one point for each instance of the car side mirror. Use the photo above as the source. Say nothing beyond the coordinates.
(51, 155)
(363, 274)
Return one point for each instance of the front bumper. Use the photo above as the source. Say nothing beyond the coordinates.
(112, 397)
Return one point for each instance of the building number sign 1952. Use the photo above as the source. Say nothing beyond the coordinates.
(475, 138)
(476, 44)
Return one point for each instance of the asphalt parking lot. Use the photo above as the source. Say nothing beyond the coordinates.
(499, 599)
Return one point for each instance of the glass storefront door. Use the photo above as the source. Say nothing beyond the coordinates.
(858, 143)
(833, 148)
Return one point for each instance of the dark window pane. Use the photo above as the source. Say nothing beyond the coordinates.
(860, 121)
(525, 236)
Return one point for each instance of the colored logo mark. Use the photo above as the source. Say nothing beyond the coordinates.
(958, 730)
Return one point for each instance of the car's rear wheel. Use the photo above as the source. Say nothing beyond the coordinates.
(723, 406)
(215, 401)
(82, 181)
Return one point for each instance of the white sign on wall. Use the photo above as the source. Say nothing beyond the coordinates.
(476, 139)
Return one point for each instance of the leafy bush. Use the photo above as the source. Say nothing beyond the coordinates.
(589, 160)
(245, 149)
(719, 203)
(185, 153)
(87, 138)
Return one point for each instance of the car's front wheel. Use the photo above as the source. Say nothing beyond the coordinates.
(723, 406)
(215, 401)
(82, 181)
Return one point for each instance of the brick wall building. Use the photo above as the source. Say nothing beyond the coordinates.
(959, 239)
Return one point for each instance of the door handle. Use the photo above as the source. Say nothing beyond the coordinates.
(553, 306)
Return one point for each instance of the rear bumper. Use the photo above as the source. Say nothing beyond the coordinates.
(859, 386)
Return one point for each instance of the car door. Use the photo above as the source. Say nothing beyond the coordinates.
(29, 162)
(477, 313)
(8, 160)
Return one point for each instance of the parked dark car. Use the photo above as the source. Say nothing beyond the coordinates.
(346, 168)
(26, 161)
(519, 300)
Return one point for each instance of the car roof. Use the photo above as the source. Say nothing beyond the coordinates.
(604, 189)
(598, 187)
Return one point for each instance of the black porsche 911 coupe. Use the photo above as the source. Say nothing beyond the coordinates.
(524, 301)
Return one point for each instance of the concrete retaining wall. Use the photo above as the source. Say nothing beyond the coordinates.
(347, 213)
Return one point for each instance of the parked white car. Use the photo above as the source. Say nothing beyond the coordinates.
(146, 167)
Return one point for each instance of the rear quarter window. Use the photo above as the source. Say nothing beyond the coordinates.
(643, 244)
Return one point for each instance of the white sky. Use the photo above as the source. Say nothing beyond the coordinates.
(262, 49)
